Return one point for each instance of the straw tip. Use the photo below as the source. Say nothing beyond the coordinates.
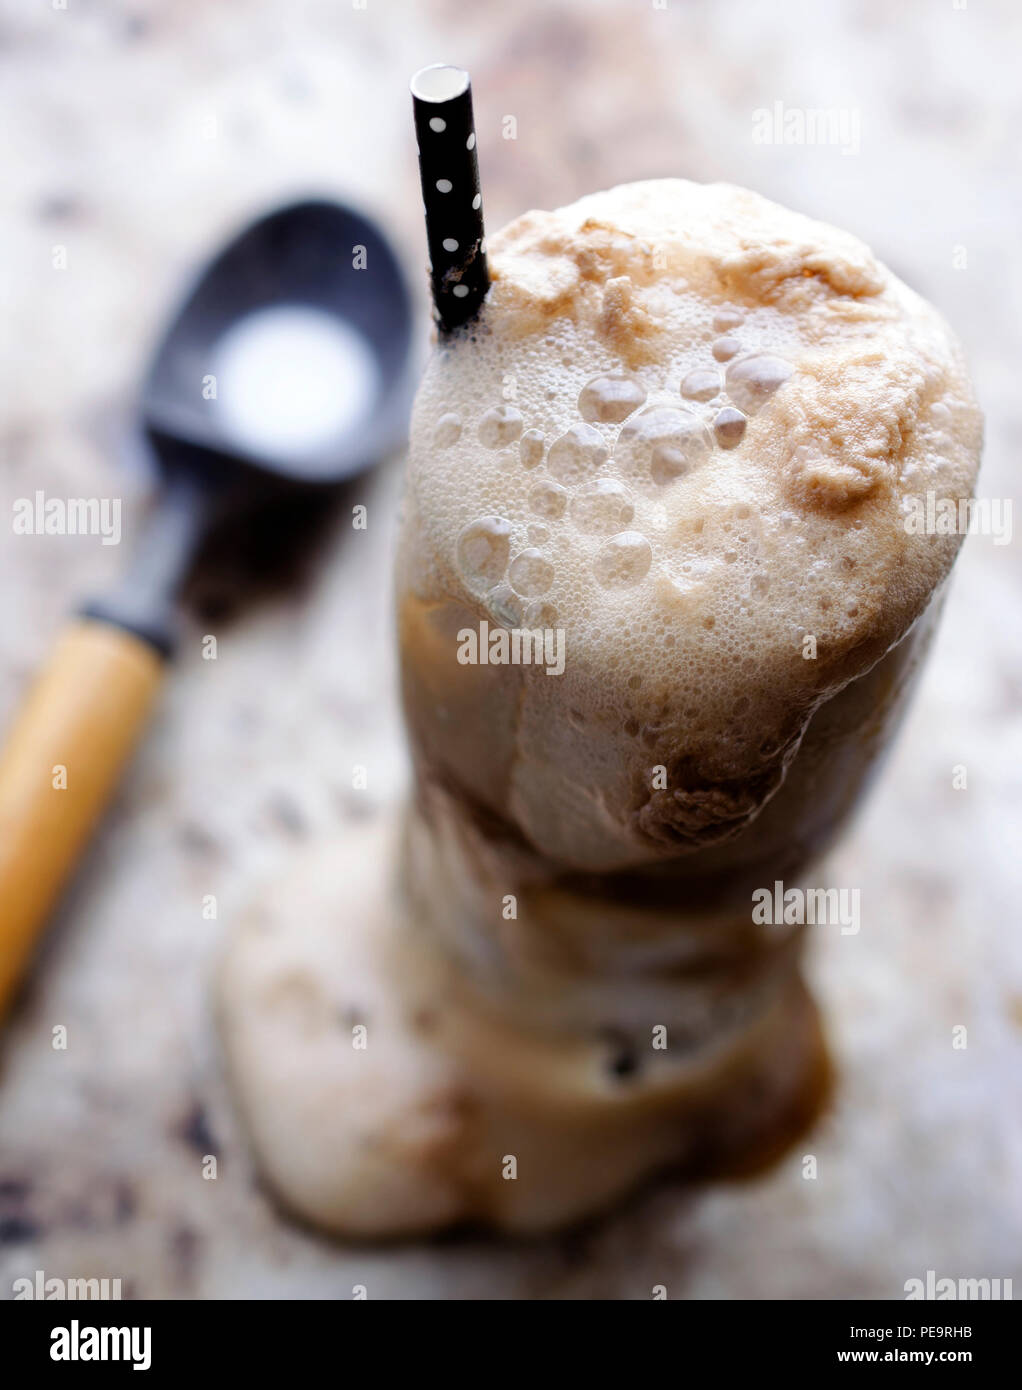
(439, 82)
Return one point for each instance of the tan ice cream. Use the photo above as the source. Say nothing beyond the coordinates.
(684, 431)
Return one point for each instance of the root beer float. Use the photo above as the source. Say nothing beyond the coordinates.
(681, 431)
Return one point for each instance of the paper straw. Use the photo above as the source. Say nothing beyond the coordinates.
(449, 170)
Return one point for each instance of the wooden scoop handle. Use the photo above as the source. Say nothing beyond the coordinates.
(70, 740)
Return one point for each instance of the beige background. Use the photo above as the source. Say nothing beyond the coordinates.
(137, 136)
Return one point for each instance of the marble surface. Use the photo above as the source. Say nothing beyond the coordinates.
(137, 136)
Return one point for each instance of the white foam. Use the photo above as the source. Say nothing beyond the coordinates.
(736, 548)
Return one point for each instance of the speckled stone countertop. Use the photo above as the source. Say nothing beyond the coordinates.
(138, 136)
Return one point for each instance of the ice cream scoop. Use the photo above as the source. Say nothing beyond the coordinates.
(285, 368)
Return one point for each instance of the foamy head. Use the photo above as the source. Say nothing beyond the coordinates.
(683, 429)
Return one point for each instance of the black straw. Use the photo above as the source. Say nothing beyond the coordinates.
(449, 169)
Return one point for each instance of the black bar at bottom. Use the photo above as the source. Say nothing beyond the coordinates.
(172, 1341)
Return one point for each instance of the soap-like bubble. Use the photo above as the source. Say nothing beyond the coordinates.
(448, 430)
(664, 443)
(623, 560)
(751, 381)
(602, 507)
(483, 550)
(729, 427)
(530, 574)
(505, 605)
(727, 318)
(701, 384)
(609, 399)
(548, 499)
(530, 448)
(578, 452)
(500, 426)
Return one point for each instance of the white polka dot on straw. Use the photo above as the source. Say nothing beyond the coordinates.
(450, 244)
(460, 291)
(476, 201)
(470, 143)
(444, 185)
(438, 124)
